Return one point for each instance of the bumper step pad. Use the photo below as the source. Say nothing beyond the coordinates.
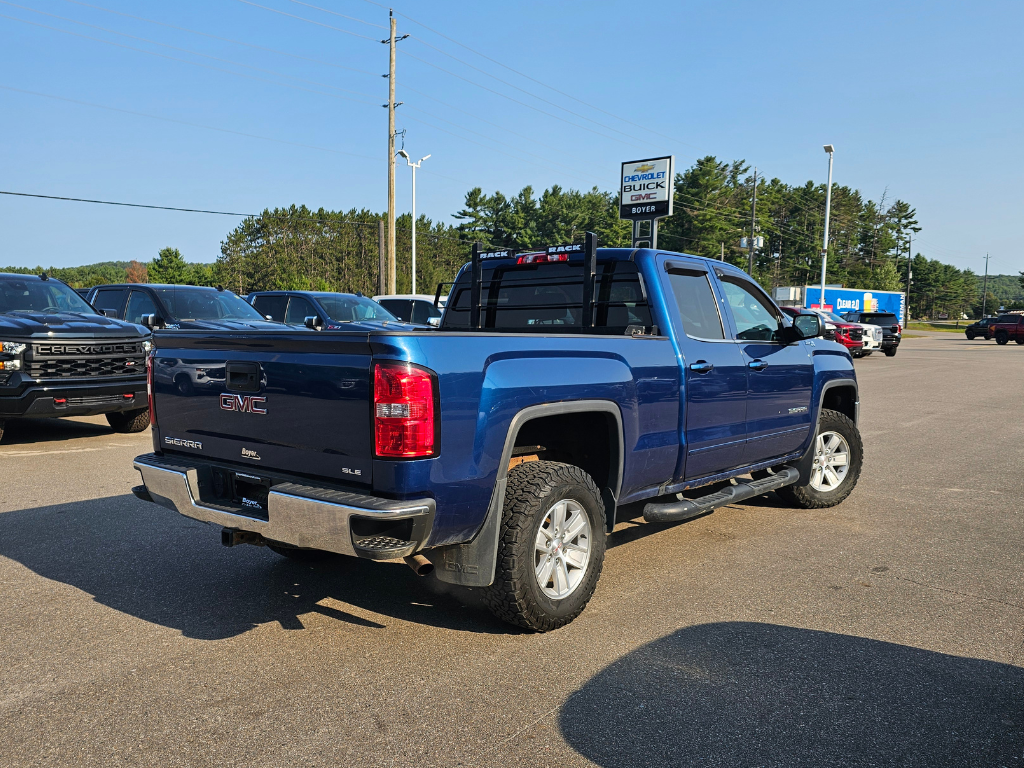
(384, 548)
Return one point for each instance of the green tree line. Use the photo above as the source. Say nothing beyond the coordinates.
(869, 241)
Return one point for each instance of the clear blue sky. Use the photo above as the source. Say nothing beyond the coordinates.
(921, 98)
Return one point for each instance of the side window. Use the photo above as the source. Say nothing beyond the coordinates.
(298, 310)
(271, 305)
(423, 311)
(139, 305)
(109, 298)
(697, 306)
(398, 307)
(753, 315)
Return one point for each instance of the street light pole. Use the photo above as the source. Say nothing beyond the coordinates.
(828, 205)
(414, 166)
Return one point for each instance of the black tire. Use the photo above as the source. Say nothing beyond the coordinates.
(129, 421)
(302, 555)
(807, 497)
(890, 352)
(1019, 339)
(1002, 337)
(970, 335)
(516, 595)
(2, 424)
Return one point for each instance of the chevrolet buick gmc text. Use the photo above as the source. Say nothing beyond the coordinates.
(564, 387)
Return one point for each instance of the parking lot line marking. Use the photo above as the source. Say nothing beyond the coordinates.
(67, 450)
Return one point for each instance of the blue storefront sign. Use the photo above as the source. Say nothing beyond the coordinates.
(842, 300)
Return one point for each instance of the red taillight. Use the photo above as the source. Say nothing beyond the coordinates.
(149, 389)
(542, 258)
(899, 328)
(403, 402)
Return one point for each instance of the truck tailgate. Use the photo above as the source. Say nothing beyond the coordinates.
(293, 401)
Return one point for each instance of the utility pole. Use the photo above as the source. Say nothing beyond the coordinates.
(753, 216)
(391, 158)
(391, 41)
(824, 243)
(984, 290)
(723, 252)
(382, 254)
(910, 276)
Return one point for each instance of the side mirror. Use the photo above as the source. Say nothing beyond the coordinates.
(268, 317)
(153, 322)
(806, 326)
(314, 323)
(434, 321)
(110, 313)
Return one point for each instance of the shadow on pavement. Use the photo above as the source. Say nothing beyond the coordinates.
(36, 431)
(156, 565)
(746, 694)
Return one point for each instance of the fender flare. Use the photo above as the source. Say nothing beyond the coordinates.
(472, 564)
(803, 464)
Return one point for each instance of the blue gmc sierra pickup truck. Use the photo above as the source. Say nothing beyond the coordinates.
(565, 389)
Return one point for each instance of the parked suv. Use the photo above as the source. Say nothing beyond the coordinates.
(1008, 327)
(329, 310)
(981, 328)
(60, 357)
(892, 331)
(187, 307)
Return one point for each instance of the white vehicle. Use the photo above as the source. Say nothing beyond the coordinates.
(413, 307)
(872, 337)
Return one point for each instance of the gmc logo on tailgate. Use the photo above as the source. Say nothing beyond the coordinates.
(244, 404)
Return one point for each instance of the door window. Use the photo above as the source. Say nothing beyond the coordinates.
(422, 311)
(400, 308)
(696, 301)
(271, 305)
(753, 315)
(139, 305)
(298, 310)
(109, 298)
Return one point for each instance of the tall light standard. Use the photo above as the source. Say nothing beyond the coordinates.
(414, 166)
(828, 205)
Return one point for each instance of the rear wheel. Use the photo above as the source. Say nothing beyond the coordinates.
(1019, 339)
(890, 352)
(551, 549)
(1002, 337)
(838, 454)
(129, 421)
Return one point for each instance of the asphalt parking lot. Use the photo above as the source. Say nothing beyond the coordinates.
(886, 631)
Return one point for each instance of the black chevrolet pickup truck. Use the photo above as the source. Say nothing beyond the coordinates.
(60, 357)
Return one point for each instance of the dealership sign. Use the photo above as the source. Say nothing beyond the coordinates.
(645, 188)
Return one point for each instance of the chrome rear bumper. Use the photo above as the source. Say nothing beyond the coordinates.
(297, 515)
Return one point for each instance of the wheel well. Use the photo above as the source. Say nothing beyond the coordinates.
(842, 399)
(589, 440)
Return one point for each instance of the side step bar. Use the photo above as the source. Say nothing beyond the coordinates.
(674, 511)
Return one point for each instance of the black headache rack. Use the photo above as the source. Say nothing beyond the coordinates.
(603, 300)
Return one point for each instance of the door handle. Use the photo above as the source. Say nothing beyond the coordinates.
(701, 366)
(757, 365)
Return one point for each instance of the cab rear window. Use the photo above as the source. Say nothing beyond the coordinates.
(548, 298)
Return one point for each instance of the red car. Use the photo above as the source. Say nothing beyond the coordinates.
(1008, 327)
(850, 335)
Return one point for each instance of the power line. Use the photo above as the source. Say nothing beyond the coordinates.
(184, 61)
(131, 205)
(342, 15)
(309, 21)
(224, 39)
(181, 50)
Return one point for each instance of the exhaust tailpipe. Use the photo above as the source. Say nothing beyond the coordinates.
(419, 564)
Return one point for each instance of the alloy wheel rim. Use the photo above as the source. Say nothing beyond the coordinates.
(562, 549)
(831, 462)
